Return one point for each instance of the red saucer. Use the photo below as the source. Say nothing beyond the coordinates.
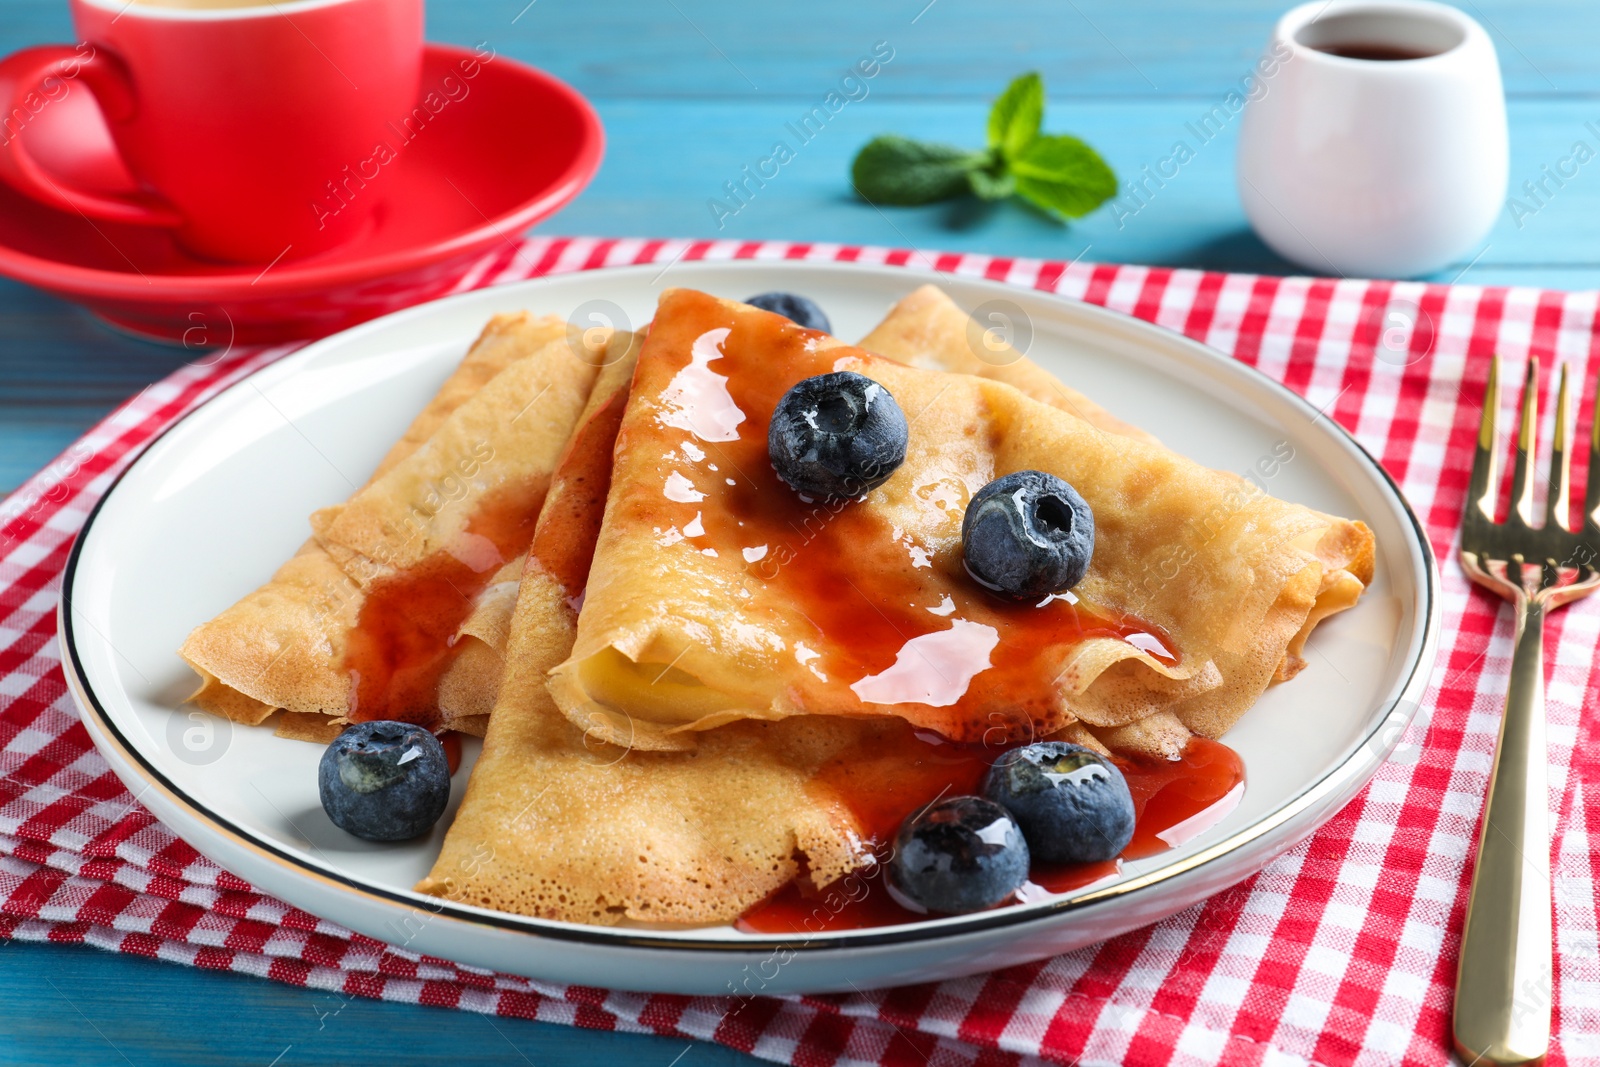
(489, 156)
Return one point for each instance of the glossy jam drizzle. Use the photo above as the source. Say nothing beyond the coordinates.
(569, 527)
(403, 640)
(892, 621)
(1172, 799)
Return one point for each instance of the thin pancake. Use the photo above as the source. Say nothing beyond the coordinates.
(710, 575)
(927, 329)
(558, 824)
(288, 644)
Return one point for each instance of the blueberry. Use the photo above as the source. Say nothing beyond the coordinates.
(384, 781)
(837, 435)
(1027, 535)
(961, 854)
(800, 310)
(1073, 804)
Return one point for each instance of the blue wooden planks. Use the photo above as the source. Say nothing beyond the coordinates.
(1192, 219)
(67, 1004)
(692, 91)
(60, 371)
(652, 49)
(957, 48)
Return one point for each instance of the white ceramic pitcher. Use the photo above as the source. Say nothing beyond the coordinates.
(1379, 145)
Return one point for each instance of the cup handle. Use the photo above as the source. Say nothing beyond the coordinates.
(27, 84)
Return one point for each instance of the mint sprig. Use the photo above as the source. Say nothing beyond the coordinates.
(1057, 173)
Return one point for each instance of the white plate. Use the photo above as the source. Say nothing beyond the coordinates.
(208, 512)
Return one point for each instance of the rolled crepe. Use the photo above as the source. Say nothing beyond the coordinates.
(455, 500)
(719, 595)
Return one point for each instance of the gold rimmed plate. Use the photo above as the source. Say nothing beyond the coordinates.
(211, 508)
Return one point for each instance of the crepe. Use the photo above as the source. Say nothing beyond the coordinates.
(454, 499)
(927, 329)
(718, 595)
(560, 824)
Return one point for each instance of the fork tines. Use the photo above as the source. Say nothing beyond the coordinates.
(1524, 536)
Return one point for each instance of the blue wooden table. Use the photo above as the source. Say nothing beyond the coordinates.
(691, 91)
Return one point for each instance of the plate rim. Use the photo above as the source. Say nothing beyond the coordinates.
(1350, 772)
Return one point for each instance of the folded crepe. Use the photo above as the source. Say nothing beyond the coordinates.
(440, 528)
(718, 594)
(560, 823)
(927, 329)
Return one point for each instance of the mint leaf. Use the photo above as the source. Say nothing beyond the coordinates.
(991, 185)
(1014, 119)
(897, 170)
(1063, 175)
(1060, 175)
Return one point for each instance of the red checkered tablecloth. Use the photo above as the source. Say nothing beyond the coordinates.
(1341, 952)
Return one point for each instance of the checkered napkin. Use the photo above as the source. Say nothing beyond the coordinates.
(1341, 952)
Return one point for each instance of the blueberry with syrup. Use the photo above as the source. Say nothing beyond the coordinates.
(1027, 535)
(1072, 803)
(961, 854)
(837, 435)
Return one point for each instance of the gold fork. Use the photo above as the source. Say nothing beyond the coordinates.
(1503, 994)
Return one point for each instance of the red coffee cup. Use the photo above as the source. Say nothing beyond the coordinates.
(241, 121)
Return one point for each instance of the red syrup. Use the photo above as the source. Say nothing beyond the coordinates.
(881, 789)
(862, 597)
(569, 525)
(402, 642)
(888, 621)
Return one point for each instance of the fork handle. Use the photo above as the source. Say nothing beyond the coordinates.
(1503, 993)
